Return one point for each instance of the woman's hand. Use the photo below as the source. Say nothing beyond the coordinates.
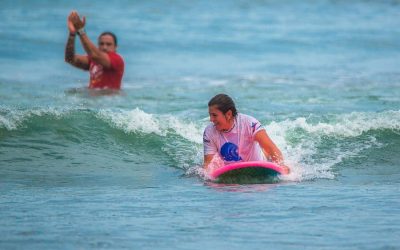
(285, 169)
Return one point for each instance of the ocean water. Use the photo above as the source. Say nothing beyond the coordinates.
(83, 170)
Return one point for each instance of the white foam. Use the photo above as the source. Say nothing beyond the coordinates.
(301, 156)
(8, 123)
(132, 121)
(137, 120)
(13, 119)
(189, 131)
(346, 125)
(166, 126)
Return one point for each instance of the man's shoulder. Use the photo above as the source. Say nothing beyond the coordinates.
(117, 62)
(115, 56)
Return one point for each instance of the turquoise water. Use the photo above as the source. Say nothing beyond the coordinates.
(80, 170)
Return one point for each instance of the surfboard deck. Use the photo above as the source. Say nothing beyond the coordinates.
(251, 172)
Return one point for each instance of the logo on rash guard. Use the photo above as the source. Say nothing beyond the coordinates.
(229, 152)
(96, 71)
(205, 139)
(253, 126)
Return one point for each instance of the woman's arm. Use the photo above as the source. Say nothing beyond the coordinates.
(207, 161)
(269, 148)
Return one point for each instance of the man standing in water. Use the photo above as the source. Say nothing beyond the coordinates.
(105, 66)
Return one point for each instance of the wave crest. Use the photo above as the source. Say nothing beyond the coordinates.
(139, 121)
(12, 119)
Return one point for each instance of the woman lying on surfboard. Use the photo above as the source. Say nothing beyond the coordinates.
(236, 137)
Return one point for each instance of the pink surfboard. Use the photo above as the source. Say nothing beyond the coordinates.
(253, 170)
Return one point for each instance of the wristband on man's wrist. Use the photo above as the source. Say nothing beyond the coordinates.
(72, 33)
(81, 31)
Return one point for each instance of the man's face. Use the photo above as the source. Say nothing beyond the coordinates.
(106, 44)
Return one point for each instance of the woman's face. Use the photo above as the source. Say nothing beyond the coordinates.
(220, 120)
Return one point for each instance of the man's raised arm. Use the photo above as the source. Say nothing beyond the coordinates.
(93, 52)
(78, 61)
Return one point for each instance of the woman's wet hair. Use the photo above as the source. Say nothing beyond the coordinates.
(224, 103)
(105, 33)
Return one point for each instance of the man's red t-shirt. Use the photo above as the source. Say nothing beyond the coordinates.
(110, 78)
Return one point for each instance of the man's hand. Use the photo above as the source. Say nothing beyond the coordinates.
(70, 25)
(75, 22)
